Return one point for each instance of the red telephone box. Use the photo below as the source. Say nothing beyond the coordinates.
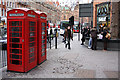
(21, 40)
(42, 36)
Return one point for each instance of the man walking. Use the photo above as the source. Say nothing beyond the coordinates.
(69, 35)
(94, 38)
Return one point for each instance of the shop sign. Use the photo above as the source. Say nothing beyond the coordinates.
(102, 18)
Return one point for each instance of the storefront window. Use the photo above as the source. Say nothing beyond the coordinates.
(0, 12)
(0, 1)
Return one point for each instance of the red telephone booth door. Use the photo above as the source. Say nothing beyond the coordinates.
(15, 45)
(44, 40)
(43, 23)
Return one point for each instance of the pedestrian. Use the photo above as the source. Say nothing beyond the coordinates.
(106, 37)
(47, 36)
(65, 35)
(83, 36)
(51, 33)
(94, 38)
(90, 41)
(68, 37)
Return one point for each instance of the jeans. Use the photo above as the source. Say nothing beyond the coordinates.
(68, 43)
(90, 43)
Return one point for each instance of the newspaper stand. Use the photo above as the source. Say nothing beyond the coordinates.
(21, 40)
(42, 36)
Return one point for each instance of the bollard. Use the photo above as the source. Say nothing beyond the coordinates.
(56, 35)
(50, 41)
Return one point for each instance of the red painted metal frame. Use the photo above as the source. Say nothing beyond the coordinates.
(24, 40)
(40, 21)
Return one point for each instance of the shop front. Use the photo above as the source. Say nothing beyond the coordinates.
(103, 16)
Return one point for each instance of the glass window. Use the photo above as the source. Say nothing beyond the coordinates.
(15, 51)
(32, 50)
(32, 34)
(32, 28)
(0, 12)
(31, 55)
(43, 53)
(31, 60)
(43, 24)
(43, 32)
(15, 45)
(32, 39)
(0, 1)
(17, 62)
(3, 12)
(32, 23)
(15, 23)
(43, 28)
(3, 2)
(32, 44)
(15, 40)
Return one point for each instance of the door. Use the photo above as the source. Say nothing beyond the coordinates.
(44, 39)
(15, 45)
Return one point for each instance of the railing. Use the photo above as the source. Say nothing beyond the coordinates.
(3, 54)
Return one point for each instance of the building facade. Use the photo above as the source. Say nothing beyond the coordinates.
(53, 10)
(105, 14)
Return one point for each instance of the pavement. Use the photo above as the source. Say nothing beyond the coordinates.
(79, 62)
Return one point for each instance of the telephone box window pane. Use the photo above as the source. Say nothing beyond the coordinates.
(15, 40)
(43, 50)
(31, 55)
(31, 60)
(43, 32)
(15, 23)
(32, 28)
(32, 39)
(43, 41)
(15, 51)
(32, 50)
(16, 29)
(15, 56)
(32, 44)
(43, 24)
(43, 46)
(43, 37)
(43, 28)
(17, 62)
(15, 35)
(15, 45)
(32, 34)
(43, 53)
(32, 23)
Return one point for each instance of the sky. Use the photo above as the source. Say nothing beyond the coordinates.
(72, 2)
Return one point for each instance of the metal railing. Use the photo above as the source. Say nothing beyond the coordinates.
(3, 54)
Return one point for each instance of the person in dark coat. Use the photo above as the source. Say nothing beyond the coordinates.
(106, 37)
(68, 36)
(83, 36)
(51, 33)
(94, 38)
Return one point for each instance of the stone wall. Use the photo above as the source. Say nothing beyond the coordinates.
(115, 20)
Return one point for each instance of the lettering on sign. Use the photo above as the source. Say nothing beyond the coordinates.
(43, 17)
(18, 14)
(30, 15)
(102, 18)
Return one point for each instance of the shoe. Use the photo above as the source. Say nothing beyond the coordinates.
(89, 47)
(82, 44)
(69, 48)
